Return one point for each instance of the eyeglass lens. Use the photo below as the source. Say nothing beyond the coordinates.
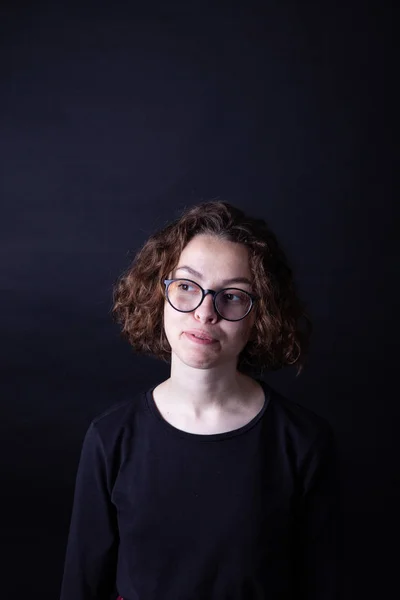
(231, 303)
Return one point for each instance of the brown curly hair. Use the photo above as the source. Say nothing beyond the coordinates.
(139, 294)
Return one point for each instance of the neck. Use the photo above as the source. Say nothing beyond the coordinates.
(198, 391)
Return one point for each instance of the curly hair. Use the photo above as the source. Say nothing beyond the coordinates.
(282, 326)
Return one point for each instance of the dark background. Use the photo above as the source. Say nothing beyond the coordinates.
(115, 117)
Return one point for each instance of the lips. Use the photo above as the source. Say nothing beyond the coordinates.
(200, 335)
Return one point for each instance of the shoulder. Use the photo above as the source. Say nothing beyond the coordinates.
(296, 423)
(304, 438)
(111, 435)
(117, 414)
(118, 421)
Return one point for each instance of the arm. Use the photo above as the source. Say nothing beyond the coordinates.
(91, 557)
(318, 546)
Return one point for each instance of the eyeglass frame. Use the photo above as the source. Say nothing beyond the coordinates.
(213, 293)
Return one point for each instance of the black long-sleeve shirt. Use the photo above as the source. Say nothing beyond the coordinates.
(162, 514)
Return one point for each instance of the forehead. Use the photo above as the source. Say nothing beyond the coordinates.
(208, 252)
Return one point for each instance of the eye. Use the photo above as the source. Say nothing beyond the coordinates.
(186, 286)
(237, 297)
(229, 297)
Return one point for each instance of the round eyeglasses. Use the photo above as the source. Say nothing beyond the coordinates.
(232, 304)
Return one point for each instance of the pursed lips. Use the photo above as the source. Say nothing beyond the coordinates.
(200, 335)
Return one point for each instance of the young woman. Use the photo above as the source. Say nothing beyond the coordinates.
(210, 485)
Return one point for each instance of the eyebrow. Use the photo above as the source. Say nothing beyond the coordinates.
(224, 282)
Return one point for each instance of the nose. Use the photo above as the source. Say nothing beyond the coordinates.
(205, 313)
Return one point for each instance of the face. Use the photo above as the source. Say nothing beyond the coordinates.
(214, 264)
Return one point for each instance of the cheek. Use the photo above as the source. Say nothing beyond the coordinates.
(251, 330)
(240, 335)
(169, 318)
(247, 331)
(166, 318)
(165, 322)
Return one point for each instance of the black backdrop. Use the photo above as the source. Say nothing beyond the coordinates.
(115, 117)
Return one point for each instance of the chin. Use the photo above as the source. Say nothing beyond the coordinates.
(202, 362)
(202, 365)
(197, 362)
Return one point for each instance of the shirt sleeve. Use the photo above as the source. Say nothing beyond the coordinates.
(319, 540)
(91, 556)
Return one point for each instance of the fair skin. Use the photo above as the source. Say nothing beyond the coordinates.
(205, 393)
